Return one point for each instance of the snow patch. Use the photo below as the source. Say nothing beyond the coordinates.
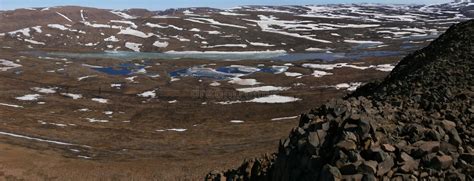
(29, 97)
(274, 99)
(11, 105)
(133, 46)
(112, 39)
(240, 81)
(64, 16)
(71, 95)
(93, 120)
(130, 31)
(172, 129)
(262, 88)
(123, 15)
(293, 74)
(7, 65)
(284, 118)
(318, 73)
(148, 94)
(45, 90)
(160, 44)
(132, 24)
(100, 100)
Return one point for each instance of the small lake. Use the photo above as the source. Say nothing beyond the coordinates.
(232, 56)
(122, 69)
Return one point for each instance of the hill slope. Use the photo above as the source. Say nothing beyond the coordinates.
(338, 27)
(415, 124)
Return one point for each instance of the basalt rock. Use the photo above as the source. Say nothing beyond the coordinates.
(416, 124)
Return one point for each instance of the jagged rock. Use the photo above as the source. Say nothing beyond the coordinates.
(442, 162)
(388, 147)
(330, 173)
(385, 166)
(426, 147)
(368, 167)
(347, 145)
(408, 164)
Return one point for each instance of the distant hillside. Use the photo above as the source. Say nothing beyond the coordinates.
(247, 28)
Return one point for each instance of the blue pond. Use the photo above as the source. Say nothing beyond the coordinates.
(123, 69)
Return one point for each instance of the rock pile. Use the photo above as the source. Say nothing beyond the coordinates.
(416, 124)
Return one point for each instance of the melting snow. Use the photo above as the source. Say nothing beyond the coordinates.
(37, 29)
(54, 124)
(73, 96)
(240, 81)
(29, 97)
(214, 32)
(123, 15)
(381, 67)
(349, 86)
(267, 24)
(148, 94)
(100, 100)
(82, 15)
(132, 24)
(213, 22)
(363, 42)
(151, 25)
(65, 17)
(11, 105)
(130, 31)
(7, 65)
(112, 39)
(284, 118)
(293, 74)
(160, 44)
(215, 84)
(231, 14)
(262, 88)
(85, 77)
(274, 99)
(45, 90)
(317, 73)
(385, 67)
(35, 42)
(227, 45)
(63, 28)
(261, 44)
(172, 129)
(133, 46)
(37, 139)
(24, 31)
(93, 120)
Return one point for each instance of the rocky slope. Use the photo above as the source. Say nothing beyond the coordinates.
(416, 124)
(337, 28)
